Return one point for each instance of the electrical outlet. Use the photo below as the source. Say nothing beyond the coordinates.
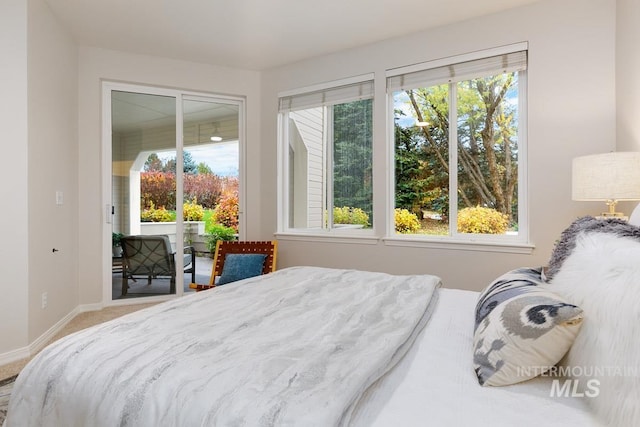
(44, 300)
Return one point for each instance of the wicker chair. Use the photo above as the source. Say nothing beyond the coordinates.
(151, 257)
(268, 248)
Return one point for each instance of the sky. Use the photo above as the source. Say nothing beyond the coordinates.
(222, 157)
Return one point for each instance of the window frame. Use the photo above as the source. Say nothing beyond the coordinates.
(333, 234)
(499, 243)
(383, 156)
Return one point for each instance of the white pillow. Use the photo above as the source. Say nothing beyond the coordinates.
(602, 274)
(634, 219)
(521, 329)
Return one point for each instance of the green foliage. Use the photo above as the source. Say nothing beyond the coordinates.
(487, 146)
(217, 232)
(226, 213)
(155, 164)
(352, 155)
(405, 221)
(116, 238)
(204, 169)
(151, 214)
(348, 215)
(481, 220)
(192, 211)
(419, 186)
(188, 165)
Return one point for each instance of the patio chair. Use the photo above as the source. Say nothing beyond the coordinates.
(152, 257)
(224, 248)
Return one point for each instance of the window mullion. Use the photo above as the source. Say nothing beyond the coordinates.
(328, 172)
(453, 159)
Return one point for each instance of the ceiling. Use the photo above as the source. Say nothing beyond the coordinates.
(256, 34)
(132, 111)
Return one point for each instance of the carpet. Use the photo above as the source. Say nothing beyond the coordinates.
(6, 386)
(79, 322)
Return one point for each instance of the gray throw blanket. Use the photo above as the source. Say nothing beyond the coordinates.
(295, 347)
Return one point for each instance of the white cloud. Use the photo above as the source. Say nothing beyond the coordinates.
(222, 157)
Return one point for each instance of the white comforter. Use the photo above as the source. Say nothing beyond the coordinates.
(296, 347)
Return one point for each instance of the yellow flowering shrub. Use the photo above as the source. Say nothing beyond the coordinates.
(348, 215)
(151, 214)
(406, 222)
(192, 211)
(480, 220)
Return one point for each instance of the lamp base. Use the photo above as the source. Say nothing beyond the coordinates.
(611, 204)
(616, 215)
(612, 214)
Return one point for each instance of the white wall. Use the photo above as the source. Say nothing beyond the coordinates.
(53, 165)
(38, 118)
(628, 75)
(14, 252)
(96, 65)
(571, 105)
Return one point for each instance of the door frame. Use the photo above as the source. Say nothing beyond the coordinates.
(107, 87)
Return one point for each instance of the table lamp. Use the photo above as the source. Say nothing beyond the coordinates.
(609, 177)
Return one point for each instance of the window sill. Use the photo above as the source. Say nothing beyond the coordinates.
(351, 238)
(421, 242)
(462, 245)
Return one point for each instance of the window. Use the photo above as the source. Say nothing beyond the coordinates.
(459, 140)
(326, 137)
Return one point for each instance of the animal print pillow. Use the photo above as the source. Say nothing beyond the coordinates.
(521, 330)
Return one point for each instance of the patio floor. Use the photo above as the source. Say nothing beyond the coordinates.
(160, 286)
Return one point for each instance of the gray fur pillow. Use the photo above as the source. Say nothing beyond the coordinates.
(600, 271)
(567, 242)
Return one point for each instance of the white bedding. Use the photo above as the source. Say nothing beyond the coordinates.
(295, 347)
(435, 385)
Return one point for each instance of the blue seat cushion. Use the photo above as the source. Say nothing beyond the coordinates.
(187, 259)
(241, 266)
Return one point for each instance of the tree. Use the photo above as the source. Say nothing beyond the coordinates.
(170, 165)
(203, 169)
(486, 142)
(153, 163)
(418, 185)
(352, 155)
(188, 165)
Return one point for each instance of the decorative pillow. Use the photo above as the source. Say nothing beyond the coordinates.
(521, 330)
(601, 272)
(241, 266)
(634, 219)
(567, 242)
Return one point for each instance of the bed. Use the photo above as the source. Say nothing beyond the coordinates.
(304, 346)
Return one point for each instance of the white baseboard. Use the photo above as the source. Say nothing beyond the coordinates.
(43, 340)
(13, 355)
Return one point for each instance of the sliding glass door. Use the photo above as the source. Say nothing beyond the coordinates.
(211, 184)
(174, 186)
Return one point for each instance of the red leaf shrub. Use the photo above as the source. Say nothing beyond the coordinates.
(226, 213)
(159, 188)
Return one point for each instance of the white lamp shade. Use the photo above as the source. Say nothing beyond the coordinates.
(609, 176)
